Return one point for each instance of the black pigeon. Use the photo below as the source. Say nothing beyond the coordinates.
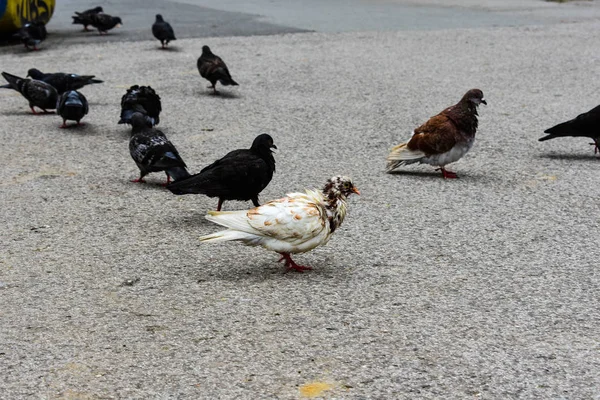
(142, 99)
(163, 31)
(72, 106)
(38, 93)
(32, 34)
(240, 175)
(104, 22)
(584, 125)
(61, 81)
(153, 152)
(85, 17)
(213, 69)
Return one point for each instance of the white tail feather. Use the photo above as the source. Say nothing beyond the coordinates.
(227, 235)
(401, 155)
(236, 220)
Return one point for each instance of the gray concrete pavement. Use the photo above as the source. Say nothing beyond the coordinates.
(482, 287)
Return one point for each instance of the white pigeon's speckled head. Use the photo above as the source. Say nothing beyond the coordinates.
(339, 186)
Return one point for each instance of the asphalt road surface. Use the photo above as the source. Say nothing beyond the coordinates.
(482, 287)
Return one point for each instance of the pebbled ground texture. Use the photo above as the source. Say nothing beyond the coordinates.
(482, 287)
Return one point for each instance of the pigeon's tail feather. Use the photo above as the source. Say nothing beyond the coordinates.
(78, 20)
(234, 220)
(228, 81)
(230, 234)
(563, 129)
(402, 155)
(178, 173)
(13, 81)
(547, 137)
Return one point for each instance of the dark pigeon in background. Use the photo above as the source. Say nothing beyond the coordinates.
(85, 18)
(38, 93)
(443, 139)
(32, 34)
(153, 152)
(213, 69)
(61, 81)
(240, 175)
(163, 31)
(584, 125)
(104, 22)
(142, 99)
(72, 106)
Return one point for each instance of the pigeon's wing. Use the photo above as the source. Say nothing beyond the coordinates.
(213, 66)
(40, 94)
(295, 218)
(58, 80)
(586, 124)
(154, 151)
(436, 136)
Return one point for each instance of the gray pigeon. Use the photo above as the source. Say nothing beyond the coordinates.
(38, 93)
(32, 34)
(163, 31)
(72, 106)
(85, 17)
(153, 152)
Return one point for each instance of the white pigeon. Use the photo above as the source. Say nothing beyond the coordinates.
(296, 223)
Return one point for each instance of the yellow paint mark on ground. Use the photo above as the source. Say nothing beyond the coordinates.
(314, 389)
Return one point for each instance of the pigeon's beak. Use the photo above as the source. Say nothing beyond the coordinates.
(484, 102)
(274, 147)
(355, 190)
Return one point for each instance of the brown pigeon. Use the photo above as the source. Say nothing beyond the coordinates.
(443, 139)
(584, 125)
(213, 69)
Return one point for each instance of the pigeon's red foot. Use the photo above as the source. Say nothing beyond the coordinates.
(167, 182)
(447, 174)
(33, 111)
(290, 264)
(596, 148)
(80, 123)
(138, 180)
(64, 125)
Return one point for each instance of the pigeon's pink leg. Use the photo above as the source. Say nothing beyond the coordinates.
(80, 123)
(447, 174)
(220, 204)
(64, 125)
(33, 111)
(596, 148)
(168, 180)
(290, 264)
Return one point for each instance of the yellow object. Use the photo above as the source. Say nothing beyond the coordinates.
(314, 389)
(16, 13)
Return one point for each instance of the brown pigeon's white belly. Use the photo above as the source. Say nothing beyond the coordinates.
(454, 154)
